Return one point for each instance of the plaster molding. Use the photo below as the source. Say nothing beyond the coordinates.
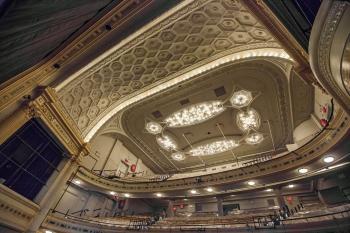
(321, 40)
(48, 108)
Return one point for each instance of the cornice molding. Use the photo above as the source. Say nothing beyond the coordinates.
(49, 109)
(321, 41)
(16, 211)
(283, 36)
(42, 74)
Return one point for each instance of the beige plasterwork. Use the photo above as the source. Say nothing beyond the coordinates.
(195, 35)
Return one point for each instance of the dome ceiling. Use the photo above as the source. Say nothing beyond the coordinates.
(195, 33)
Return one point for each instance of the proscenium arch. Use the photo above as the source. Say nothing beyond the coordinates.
(169, 82)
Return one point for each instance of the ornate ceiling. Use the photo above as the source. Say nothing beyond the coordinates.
(188, 38)
(266, 80)
(193, 34)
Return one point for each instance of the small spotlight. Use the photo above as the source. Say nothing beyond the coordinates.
(77, 182)
(47, 231)
(112, 193)
(159, 194)
(251, 183)
(185, 199)
(291, 186)
(193, 191)
(303, 170)
(328, 159)
(210, 189)
(269, 190)
(126, 195)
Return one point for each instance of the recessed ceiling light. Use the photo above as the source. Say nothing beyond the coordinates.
(303, 170)
(269, 190)
(185, 199)
(77, 182)
(47, 231)
(291, 186)
(210, 189)
(112, 193)
(193, 191)
(251, 183)
(328, 159)
(159, 194)
(126, 195)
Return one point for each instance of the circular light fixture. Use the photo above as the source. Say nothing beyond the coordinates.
(248, 120)
(159, 194)
(193, 191)
(328, 159)
(77, 182)
(166, 142)
(303, 170)
(153, 127)
(178, 156)
(112, 193)
(126, 195)
(210, 189)
(47, 231)
(269, 190)
(241, 98)
(251, 183)
(291, 186)
(254, 138)
(185, 199)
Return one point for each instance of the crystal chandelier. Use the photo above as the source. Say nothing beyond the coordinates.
(195, 114)
(248, 120)
(153, 127)
(241, 99)
(214, 147)
(166, 142)
(178, 156)
(254, 138)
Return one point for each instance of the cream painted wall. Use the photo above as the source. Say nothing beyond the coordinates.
(105, 145)
(76, 199)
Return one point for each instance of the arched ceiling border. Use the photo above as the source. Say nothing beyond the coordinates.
(174, 80)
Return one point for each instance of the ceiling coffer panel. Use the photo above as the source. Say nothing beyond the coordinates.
(199, 32)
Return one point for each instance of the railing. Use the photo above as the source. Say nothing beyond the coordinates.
(341, 217)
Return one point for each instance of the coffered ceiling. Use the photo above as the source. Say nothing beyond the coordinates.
(194, 33)
(191, 35)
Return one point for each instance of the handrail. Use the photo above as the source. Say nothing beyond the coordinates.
(212, 224)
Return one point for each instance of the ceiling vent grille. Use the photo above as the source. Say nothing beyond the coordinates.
(220, 91)
(184, 101)
(157, 114)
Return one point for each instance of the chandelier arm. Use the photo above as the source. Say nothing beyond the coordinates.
(222, 133)
(273, 141)
(161, 151)
(188, 142)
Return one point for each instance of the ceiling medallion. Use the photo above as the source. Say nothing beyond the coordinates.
(195, 114)
(248, 120)
(178, 156)
(241, 99)
(153, 127)
(254, 138)
(215, 147)
(166, 142)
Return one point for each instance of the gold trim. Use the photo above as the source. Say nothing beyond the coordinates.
(284, 37)
(43, 73)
